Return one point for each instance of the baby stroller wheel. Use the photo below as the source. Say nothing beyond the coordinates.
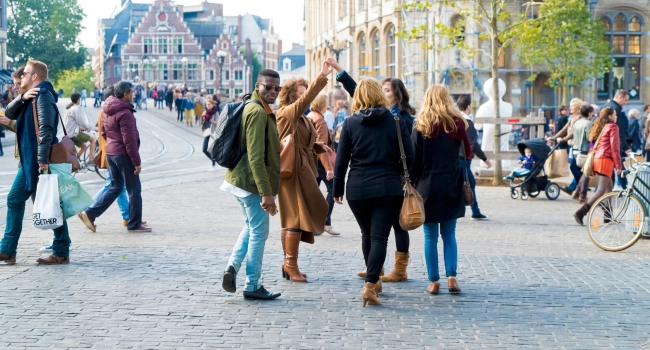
(552, 191)
(524, 194)
(534, 194)
(514, 194)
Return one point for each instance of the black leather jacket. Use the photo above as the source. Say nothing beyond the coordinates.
(47, 114)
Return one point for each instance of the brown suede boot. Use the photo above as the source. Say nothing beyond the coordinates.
(580, 214)
(369, 294)
(292, 241)
(399, 271)
(363, 274)
(283, 238)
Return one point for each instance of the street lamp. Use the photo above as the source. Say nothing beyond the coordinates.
(337, 51)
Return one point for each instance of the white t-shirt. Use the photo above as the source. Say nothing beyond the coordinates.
(75, 119)
(329, 119)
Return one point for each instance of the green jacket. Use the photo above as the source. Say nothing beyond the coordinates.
(259, 169)
(581, 129)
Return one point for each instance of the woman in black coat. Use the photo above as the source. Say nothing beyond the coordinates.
(369, 144)
(440, 131)
(398, 98)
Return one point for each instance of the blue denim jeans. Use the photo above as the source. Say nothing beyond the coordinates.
(15, 213)
(122, 200)
(252, 240)
(447, 230)
(472, 183)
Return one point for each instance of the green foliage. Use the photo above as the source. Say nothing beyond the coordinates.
(569, 43)
(74, 78)
(46, 30)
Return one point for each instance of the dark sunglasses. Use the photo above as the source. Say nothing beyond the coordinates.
(272, 87)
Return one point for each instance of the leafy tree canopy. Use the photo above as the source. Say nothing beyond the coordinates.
(46, 30)
(74, 78)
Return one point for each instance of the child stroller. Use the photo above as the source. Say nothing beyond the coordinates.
(536, 180)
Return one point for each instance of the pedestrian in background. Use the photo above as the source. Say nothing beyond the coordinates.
(329, 117)
(634, 129)
(188, 108)
(96, 97)
(254, 181)
(369, 146)
(440, 132)
(84, 95)
(208, 118)
(617, 103)
(581, 147)
(325, 168)
(303, 208)
(178, 102)
(565, 137)
(198, 107)
(169, 98)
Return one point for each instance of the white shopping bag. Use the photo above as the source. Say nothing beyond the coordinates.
(47, 213)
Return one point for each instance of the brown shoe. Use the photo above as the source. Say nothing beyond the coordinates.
(434, 288)
(453, 286)
(399, 271)
(141, 229)
(8, 259)
(53, 260)
(88, 221)
(126, 223)
(283, 239)
(369, 294)
(378, 287)
(581, 213)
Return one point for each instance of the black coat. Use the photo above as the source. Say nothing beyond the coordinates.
(370, 146)
(438, 177)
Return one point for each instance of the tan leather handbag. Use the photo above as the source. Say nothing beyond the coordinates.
(412, 214)
(468, 195)
(287, 157)
(62, 152)
(588, 168)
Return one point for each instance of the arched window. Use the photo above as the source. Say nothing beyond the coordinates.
(392, 52)
(624, 35)
(363, 53)
(375, 52)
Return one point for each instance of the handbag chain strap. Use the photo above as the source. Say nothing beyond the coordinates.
(401, 150)
(37, 127)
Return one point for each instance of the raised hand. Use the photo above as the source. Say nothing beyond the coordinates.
(326, 69)
(332, 63)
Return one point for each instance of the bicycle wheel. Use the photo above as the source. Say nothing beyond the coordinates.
(615, 222)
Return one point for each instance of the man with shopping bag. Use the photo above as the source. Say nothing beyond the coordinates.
(34, 157)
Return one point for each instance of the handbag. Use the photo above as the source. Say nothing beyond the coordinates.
(62, 152)
(581, 158)
(287, 157)
(412, 214)
(468, 195)
(588, 168)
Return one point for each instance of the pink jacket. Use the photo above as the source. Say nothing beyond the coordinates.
(120, 130)
(609, 145)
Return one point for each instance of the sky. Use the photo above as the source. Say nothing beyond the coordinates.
(287, 15)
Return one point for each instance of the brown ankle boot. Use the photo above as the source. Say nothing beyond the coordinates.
(283, 237)
(399, 271)
(363, 274)
(378, 287)
(292, 241)
(369, 294)
(580, 214)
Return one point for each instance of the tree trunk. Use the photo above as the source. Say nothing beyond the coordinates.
(497, 178)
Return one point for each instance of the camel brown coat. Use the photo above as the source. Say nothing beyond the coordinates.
(302, 205)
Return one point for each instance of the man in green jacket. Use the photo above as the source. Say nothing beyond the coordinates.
(254, 182)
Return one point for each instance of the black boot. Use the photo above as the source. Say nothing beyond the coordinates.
(229, 283)
(580, 214)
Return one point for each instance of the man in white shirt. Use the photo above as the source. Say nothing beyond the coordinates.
(75, 122)
(329, 118)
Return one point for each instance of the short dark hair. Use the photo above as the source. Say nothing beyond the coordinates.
(110, 91)
(18, 74)
(564, 108)
(75, 97)
(586, 111)
(463, 102)
(268, 73)
(122, 88)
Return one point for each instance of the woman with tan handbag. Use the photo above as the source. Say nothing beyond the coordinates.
(604, 158)
(325, 163)
(440, 132)
(302, 206)
(369, 143)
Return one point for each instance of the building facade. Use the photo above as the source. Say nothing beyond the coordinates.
(292, 64)
(376, 51)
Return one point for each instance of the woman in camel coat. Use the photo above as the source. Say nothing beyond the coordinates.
(302, 206)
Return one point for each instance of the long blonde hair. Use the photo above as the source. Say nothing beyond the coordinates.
(438, 108)
(368, 94)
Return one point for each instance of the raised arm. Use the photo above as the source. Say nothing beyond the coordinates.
(343, 77)
(292, 112)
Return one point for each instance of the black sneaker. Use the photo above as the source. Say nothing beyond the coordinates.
(229, 283)
(261, 294)
(566, 190)
(479, 217)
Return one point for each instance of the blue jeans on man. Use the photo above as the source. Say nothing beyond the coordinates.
(122, 200)
(252, 240)
(122, 174)
(15, 213)
(447, 230)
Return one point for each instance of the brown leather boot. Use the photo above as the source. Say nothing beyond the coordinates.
(283, 238)
(378, 287)
(580, 214)
(8, 259)
(363, 274)
(369, 294)
(434, 288)
(452, 285)
(53, 260)
(292, 241)
(399, 271)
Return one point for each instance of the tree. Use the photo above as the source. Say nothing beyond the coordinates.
(501, 29)
(570, 44)
(74, 78)
(46, 30)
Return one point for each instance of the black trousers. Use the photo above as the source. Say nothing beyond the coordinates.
(180, 115)
(402, 240)
(322, 176)
(206, 141)
(375, 217)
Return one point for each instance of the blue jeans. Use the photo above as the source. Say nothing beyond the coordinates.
(122, 200)
(15, 213)
(121, 169)
(447, 230)
(472, 183)
(252, 240)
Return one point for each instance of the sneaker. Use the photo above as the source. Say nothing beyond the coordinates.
(331, 231)
(46, 250)
(567, 190)
(212, 169)
(479, 217)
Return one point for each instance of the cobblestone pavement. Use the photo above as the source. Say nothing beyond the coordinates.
(530, 276)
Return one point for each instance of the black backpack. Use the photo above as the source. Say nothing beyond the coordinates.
(224, 146)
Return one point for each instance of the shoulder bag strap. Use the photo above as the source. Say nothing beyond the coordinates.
(401, 150)
(462, 146)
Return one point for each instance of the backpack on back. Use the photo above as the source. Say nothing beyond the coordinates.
(224, 146)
